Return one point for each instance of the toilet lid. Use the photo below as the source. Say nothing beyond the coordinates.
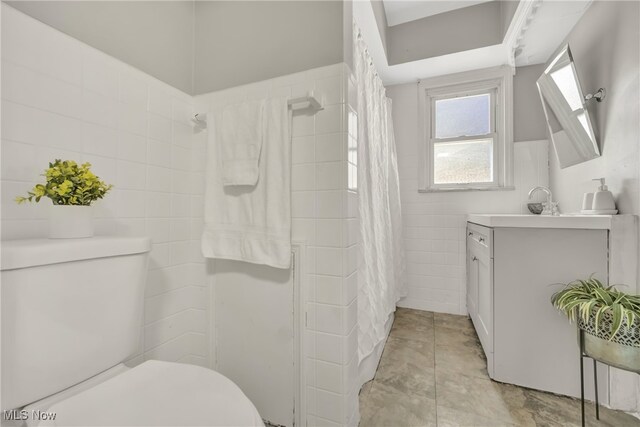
(158, 393)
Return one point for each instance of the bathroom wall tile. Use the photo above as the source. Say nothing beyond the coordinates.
(159, 128)
(303, 204)
(329, 147)
(133, 90)
(131, 175)
(167, 329)
(159, 153)
(303, 149)
(159, 101)
(180, 205)
(303, 124)
(158, 179)
(329, 289)
(158, 204)
(329, 232)
(329, 204)
(132, 119)
(17, 163)
(130, 227)
(330, 405)
(328, 318)
(303, 178)
(91, 107)
(171, 351)
(182, 134)
(329, 347)
(349, 317)
(330, 176)
(303, 230)
(329, 261)
(99, 73)
(180, 158)
(132, 147)
(16, 26)
(99, 140)
(181, 111)
(131, 204)
(179, 229)
(61, 57)
(329, 376)
(330, 119)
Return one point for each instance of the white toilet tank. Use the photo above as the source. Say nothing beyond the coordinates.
(71, 308)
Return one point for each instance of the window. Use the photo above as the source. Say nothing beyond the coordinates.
(466, 131)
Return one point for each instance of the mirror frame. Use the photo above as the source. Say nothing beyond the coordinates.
(586, 146)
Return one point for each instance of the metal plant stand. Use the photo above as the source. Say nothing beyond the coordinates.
(599, 350)
(595, 379)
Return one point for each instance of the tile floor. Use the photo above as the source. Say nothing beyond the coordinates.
(433, 373)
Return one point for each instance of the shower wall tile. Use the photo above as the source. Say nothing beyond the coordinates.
(63, 99)
(324, 220)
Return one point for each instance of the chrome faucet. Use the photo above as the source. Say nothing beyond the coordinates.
(550, 207)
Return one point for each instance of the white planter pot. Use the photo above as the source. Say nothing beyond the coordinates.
(70, 222)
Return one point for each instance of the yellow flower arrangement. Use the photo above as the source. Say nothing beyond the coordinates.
(68, 184)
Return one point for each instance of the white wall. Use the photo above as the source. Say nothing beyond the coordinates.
(64, 99)
(435, 223)
(605, 44)
(324, 219)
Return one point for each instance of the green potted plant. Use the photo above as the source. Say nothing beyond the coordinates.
(608, 318)
(72, 188)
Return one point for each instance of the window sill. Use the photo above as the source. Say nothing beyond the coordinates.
(459, 189)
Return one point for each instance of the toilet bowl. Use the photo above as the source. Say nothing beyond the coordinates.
(71, 316)
(153, 393)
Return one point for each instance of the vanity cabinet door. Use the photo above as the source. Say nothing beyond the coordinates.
(484, 326)
(480, 286)
(472, 279)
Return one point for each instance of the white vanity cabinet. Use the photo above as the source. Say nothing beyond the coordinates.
(480, 285)
(511, 274)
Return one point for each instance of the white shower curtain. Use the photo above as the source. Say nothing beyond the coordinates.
(381, 280)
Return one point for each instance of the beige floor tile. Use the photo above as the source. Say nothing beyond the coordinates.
(453, 321)
(433, 370)
(448, 417)
(386, 407)
(461, 360)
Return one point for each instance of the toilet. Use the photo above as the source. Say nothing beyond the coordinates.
(72, 311)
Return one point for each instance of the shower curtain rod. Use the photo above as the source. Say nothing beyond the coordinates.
(295, 104)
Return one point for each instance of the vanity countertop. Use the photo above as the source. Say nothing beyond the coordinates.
(589, 222)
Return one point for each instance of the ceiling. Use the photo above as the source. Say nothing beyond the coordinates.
(536, 30)
(548, 26)
(401, 11)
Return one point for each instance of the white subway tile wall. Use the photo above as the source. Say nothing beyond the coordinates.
(435, 223)
(324, 219)
(64, 99)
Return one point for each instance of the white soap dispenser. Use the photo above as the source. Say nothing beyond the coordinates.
(603, 199)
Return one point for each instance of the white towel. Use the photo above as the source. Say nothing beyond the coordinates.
(241, 136)
(245, 223)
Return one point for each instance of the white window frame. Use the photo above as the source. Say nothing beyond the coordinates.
(499, 82)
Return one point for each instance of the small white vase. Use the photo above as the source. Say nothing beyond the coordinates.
(70, 222)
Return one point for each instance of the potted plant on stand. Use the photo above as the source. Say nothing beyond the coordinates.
(72, 188)
(608, 318)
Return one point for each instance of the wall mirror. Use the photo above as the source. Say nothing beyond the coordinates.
(564, 105)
